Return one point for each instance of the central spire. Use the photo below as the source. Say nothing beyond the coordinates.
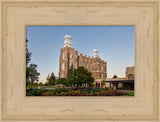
(67, 41)
(95, 53)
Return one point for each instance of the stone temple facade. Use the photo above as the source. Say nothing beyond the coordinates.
(69, 57)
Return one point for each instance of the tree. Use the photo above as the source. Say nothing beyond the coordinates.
(31, 71)
(77, 77)
(28, 58)
(46, 84)
(102, 84)
(81, 76)
(27, 74)
(28, 54)
(115, 76)
(52, 79)
(47, 78)
(62, 81)
(33, 74)
(40, 83)
(71, 70)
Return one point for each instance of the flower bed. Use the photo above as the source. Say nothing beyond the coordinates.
(75, 92)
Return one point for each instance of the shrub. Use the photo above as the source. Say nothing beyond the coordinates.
(59, 90)
(35, 92)
(49, 93)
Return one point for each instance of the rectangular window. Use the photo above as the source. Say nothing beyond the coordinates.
(76, 65)
(87, 66)
(70, 64)
(62, 75)
(102, 68)
(62, 67)
(63, 56)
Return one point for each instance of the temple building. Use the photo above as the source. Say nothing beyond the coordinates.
(98, 67)
(70, 57)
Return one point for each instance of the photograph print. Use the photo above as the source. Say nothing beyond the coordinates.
(80, 61)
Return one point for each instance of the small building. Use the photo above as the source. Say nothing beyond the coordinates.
(125, 83)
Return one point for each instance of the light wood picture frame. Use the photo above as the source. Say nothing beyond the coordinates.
(17, 14)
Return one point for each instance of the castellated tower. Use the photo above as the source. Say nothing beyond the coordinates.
(69, 57)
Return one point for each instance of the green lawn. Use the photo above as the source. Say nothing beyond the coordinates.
(131, 93)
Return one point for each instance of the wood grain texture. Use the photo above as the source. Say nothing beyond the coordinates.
(15, 106)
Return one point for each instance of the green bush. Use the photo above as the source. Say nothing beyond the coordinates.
(35, 92)
(59, 90)
(49, 93)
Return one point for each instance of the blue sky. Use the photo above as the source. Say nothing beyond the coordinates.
(114, 43)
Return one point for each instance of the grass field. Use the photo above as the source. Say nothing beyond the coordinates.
(131, 93)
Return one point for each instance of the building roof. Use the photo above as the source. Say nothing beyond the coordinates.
(119, 81)
(95, 50)
(67, 36)
(116, 79)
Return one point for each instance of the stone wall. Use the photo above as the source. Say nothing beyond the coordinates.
(130, 73)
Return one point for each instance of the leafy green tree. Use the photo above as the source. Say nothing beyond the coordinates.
(33, 73)
(27, 73)
(28, 58)
(102, 84)
(27, 83)
(115, 76)
(80, 77)
(28, 54)
(62, 81)
(52, 79)
(31, 70)
(72, 80)
(77, 77)
(46, 84)
(70, 72)
(47, 78)
(41, 84)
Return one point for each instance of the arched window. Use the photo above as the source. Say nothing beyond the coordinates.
(130, 77)
(62, 67)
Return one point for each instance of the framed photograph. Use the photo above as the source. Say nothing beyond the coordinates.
(65, 60)
(63, 71)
